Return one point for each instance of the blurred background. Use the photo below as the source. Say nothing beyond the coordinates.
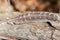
(30, 5)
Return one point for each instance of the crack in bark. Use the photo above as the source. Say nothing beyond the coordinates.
(50, 25)
(52, 30)
(52, 34)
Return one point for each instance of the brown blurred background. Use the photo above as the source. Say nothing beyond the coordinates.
(30, 5)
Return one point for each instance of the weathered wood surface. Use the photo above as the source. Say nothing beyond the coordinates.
(31, 26)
